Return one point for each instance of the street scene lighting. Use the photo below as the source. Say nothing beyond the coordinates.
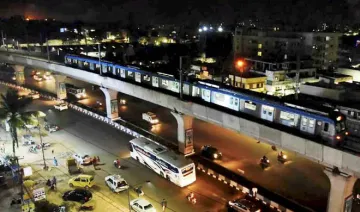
(240, 63)
(220, 29)
(205, 28)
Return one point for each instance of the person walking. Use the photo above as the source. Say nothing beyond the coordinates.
(163, 204)
(54, 182)
(55, 162)
(52, 151)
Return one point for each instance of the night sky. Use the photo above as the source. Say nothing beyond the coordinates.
(183, 11)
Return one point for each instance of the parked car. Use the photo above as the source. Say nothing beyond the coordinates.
(116, 183)
(243, 205)
(142, 205)
(78, 195)
(82, 159)
(51, 128)
(211, 152)
(61, 106)
(82, 181)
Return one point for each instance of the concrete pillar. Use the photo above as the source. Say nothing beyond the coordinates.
(19, 74)
(112, 110)
(60, 86)
(341, 188)
(184, 133)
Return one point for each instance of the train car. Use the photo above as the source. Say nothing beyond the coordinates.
(329, 125)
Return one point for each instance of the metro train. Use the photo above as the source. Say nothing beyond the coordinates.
(327, 124)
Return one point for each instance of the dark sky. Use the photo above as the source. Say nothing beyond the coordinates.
(181, 11)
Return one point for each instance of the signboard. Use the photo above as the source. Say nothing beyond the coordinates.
(39, 194)
(189, 140)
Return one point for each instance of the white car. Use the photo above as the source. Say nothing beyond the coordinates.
(116, 183)
(34, 95)
(150, 117)
(142, 205)
(61, 106)
(82, 160)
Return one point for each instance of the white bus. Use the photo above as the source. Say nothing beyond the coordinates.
(166, 163)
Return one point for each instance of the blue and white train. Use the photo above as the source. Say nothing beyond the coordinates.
(327, 124)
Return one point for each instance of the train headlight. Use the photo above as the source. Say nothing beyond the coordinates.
(346, 133)
(338, 137)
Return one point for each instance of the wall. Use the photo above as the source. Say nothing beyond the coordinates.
(314, 151)
(322, 92)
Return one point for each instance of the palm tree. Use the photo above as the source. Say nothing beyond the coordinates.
(12, 110)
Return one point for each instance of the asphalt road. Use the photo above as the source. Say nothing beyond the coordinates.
(299, 179)
(78, 133)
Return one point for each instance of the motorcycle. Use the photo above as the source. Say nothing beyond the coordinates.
(282, 158)
(139, 191)
(191, 198)
(117, 164)
(264, 162)
(32, 149)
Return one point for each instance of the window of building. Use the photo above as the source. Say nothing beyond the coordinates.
(327, 38)
(253, 86)
(259, 54)
(259, 46)
(250, 105)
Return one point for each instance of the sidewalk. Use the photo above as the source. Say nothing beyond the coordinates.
(65, 144)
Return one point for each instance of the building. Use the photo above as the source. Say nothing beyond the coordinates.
(323, 47)
(279, 47)
(248, 80)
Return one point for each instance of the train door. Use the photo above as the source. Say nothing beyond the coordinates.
(137, 77)
(122, 73)
(155, 82)
(205, 94)
(307, 124)
(267, 113)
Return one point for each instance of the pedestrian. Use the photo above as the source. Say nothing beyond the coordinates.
(52, 151)
(98, 158)
(94, 161)
(54, 181)
(254, 192)
(163, 204)
(55, 162)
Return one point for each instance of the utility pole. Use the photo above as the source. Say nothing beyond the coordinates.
(47, 49)
(181, 78)
(99, 52)
(41, 143)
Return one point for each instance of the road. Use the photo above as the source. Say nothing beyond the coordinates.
(299, 179)
(77, 133)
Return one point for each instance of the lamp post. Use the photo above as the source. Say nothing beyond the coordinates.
(134, 186)
(41, 142)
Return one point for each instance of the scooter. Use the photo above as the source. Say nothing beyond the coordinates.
(139, 191)
(264, 163)
(117, 164)
(282, 158)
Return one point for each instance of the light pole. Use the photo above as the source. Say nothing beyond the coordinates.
(41, 142)
(128, 191)
(99, 52)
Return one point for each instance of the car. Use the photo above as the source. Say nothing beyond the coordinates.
(61, 106)
(141, 205)
(82, 181)
(77, 195)
(243, 205)
(211, 152)
(82, 160)
(51, 128)
(34, 95)
(150, 117)
(116, 183)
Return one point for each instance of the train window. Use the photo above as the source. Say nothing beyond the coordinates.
(304, 121)
(236, 102)
(147, 78)
(270, 113)
(92, 67)
(326, 127)
(97, 66)
(231, 99)
(311, 123)
(86, 63)
(75, 61)
(250, 105)
(109, 68)
(117, 71)
(130, 73)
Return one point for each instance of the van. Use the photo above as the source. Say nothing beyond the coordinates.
(82, 181)
(150, 117)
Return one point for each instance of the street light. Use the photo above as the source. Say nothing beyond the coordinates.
(134, 186)
(240, 65)
(205, 28)
(220, 29)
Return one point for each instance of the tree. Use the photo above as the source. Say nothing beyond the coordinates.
(12, 110)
